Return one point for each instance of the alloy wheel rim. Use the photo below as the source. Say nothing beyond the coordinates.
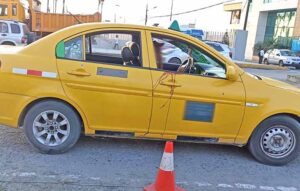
(278, 142)
(51, 128)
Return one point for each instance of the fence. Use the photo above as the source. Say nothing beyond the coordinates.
(218, 36)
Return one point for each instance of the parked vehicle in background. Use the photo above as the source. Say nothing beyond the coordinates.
(172, 56)
(13, 33)
(41, 23)
(282, 57)
(197, 33)
(220, 47)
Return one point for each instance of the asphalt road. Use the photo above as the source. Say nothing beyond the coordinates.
(112, 164)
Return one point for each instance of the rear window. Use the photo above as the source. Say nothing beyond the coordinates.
(216, 47)
(25, 29)
(15, 29)
(3, 27)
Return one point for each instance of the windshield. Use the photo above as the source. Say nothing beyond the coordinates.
(287, 53)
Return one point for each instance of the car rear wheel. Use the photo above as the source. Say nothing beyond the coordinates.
(280, 63)
(52, 127)
(266, 61)
(276, 140)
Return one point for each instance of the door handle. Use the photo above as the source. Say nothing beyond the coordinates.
(79, 73)
(171, 84)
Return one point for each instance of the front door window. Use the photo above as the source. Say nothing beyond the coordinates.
(178, 56)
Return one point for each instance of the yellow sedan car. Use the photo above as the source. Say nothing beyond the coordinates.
(141, 82)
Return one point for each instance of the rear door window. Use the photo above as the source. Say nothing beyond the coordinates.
(15, 29)
(108, 47)
(73, 49)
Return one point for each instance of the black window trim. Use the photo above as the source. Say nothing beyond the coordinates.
(87, 33)
(128, 32)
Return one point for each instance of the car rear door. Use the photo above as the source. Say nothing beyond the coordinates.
(192, 106)
(4, 31)
(15, 33)
(115, 98)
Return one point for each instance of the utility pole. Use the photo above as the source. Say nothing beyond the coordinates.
(247, 14)
(100, 4)
(171, 15)
(64, 4)
(146, 17)
(48, 8)
(117, 6)
(147, 12)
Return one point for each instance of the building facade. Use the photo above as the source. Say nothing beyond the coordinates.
(268, 21)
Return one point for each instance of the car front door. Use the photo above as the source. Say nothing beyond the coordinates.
(113, 89)
(200, 102)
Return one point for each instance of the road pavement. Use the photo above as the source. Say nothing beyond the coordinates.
(128, 165)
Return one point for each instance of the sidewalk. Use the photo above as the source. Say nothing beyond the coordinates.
(255, 65)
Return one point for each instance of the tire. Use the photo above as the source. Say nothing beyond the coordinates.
(280, 63)
(276, 141)
(47, 122)
(266, 61)
(175, 60)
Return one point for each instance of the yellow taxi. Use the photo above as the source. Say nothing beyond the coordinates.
(141, 82)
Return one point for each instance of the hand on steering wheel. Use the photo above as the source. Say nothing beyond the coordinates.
(186, 66)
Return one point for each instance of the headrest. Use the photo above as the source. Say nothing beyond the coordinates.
(127, 54)
(134, 47)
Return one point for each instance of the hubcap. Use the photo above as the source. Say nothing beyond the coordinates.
(51, 128)
(278, 142)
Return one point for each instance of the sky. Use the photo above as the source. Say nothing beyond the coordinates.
(133, 11)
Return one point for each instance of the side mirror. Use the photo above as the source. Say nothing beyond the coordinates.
(277, 54)
(232, 74)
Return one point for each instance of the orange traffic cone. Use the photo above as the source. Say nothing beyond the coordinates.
(165, 180)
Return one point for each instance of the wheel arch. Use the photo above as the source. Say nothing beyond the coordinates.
(8, 42)
(292, 115)
(175, 57)
(38, 100)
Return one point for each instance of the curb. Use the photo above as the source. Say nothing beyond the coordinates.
(260, 66)
(294, 78)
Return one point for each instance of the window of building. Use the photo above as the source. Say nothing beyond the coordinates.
(235, 17)
(280, 26)
(179, 56)
(14, 10)
(15, 29)
(3, 27)
(122, 48)
(3, 10)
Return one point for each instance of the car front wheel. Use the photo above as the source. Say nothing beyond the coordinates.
(276, 140)
(52, 127)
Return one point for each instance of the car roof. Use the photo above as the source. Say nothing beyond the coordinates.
(95, 25)
(11, 21)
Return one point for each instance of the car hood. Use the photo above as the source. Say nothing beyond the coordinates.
(10, 49)
(292, 57)
(279, 84)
